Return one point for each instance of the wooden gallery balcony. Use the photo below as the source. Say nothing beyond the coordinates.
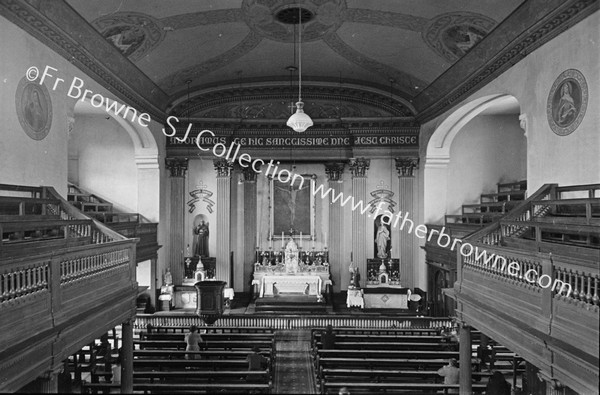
(65, 279)
(541, 298)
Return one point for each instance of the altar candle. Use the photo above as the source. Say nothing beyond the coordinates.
(282, 241)
(300, 239)
(313, 242)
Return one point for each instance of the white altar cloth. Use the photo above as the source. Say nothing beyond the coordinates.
(290, 283)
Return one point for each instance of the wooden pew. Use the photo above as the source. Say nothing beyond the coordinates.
(209, 336)
(208, 345)
(387, 354)
(203, 354)
(208, 388)
(208, 329)
(369, 388)
(259, 376)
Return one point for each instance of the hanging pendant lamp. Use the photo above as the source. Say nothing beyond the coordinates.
(299, 121)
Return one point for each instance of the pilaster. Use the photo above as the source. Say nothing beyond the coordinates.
(334, 173)
(223, 169)
(409, 243)
(249, 231)
(127, 357)
(177, 170)
(358, 169)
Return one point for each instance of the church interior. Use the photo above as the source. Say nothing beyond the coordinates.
(300, 196)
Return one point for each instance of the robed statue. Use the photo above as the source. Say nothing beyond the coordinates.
(201, 239)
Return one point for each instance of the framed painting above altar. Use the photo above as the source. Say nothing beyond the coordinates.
(292, 207)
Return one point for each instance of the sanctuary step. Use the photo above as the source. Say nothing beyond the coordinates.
(290, 304)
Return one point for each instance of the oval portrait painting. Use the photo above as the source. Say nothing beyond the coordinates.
(34, 108)
(567, 102)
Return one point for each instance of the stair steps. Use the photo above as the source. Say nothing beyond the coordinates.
(291, 304)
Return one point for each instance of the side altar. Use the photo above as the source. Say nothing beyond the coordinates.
(291, 271)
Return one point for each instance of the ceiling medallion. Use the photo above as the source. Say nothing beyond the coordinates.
(275, 19)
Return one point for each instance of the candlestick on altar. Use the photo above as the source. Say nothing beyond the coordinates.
(282, 240)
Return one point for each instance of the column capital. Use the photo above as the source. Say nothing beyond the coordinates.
(223, 167)
(177, 166)
(334, 171)
(359, 166)
(406, 166)
(248, 174)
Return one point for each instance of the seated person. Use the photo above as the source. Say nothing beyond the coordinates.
(192, 339)
(328, 339)
(450, 373)
(255, 360)
(497, 385)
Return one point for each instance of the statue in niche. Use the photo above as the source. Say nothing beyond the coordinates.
(291, 257)
(382, 239)
(201, 231)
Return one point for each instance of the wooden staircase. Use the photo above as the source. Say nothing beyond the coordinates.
(131, 225)
(490, 208)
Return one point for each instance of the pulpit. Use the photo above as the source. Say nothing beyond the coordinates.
(210, 300)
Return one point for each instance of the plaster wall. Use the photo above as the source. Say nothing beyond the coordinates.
(106, 165)
(488, 150)
(25, 161)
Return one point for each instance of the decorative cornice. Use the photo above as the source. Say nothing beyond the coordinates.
(359, 167)
(334, 171)
(406, 166)
(79, 43)
(283, 92)
(177, 166)
(223, 167)
(559, 15)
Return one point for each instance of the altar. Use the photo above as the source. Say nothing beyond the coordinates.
(291, 272)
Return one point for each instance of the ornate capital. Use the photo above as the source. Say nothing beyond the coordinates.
(223, 167)
(177, 166)
(334, 171)
(248, 174)
(406, 166)
(359, 166)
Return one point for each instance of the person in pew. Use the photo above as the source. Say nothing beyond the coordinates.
(328, 338)
(192, 339)
(450, 373)
(344, 391)
(255, 360)
(497, 385)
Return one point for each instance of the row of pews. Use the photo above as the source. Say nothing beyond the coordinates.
(160, 364)
(399, 361)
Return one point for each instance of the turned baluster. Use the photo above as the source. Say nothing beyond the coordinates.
(588, 296)
(595, 297)
(581, 289)
(30, 283)
(12, 291)
(575, 288)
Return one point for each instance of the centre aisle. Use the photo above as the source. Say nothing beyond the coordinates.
(294, 372)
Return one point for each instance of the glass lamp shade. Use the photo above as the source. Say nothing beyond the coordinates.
(299, 121)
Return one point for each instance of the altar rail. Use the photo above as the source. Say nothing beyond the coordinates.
(283, 322)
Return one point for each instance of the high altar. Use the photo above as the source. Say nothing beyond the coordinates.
(291, 272)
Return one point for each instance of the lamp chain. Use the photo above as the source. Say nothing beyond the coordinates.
(299, 54)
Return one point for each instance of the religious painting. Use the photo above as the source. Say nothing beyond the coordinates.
(567, 102)
(292, 205)
(34, 108)
(134, 34)
(452, 35)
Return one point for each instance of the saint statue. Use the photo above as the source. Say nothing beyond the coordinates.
(168, 277)
(201, 232)
(383, 235)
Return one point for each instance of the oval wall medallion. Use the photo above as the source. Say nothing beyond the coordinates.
(567, 102)
(34, 108)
